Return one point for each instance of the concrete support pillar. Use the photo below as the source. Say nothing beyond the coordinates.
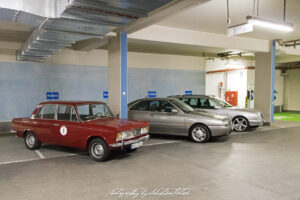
(117, 74)
(264, 82)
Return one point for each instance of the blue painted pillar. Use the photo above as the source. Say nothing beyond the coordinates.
(124, 75)
(117, 74)
(273, 49)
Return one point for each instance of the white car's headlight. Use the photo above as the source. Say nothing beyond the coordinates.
(260, 115)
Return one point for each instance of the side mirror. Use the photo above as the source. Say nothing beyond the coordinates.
(174, 110)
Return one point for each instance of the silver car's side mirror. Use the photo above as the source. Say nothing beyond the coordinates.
(174, 110)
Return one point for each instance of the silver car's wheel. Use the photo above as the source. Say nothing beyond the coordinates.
(240, 124)
(99, 150)
(199, 133)
(31, 141)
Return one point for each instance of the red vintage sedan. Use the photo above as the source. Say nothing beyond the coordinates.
(81, 124)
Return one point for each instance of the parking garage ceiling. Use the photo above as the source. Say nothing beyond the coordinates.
(14, 36)
(71, 21)
(211, 17)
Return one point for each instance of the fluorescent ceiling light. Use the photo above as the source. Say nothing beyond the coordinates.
(281, 26)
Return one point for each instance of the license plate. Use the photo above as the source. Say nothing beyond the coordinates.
(136, 145)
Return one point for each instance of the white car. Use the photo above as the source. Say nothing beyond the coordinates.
(242, 119)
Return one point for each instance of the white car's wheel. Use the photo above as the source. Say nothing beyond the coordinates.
(240, 124)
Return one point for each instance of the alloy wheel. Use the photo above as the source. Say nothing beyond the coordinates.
(240, 124)
(199, 134)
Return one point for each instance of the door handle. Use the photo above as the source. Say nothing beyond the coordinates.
(55, 124)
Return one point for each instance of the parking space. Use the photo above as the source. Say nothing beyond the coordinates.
(261, 164)
(14, 150)
(214, 84)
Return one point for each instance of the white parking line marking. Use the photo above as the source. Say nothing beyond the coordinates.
(160, 143)
(35, 159)
(39, 154)
(19, 161)
(71, 154)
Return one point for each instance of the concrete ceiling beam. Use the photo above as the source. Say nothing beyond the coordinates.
(165, 34)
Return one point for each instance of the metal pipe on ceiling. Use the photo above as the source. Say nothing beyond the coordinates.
(61, 23)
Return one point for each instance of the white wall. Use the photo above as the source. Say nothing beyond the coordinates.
(232, 80)
(99, 57)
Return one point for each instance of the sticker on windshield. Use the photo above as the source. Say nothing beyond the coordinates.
(63, 130)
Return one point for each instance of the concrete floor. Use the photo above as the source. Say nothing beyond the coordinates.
(260, 164)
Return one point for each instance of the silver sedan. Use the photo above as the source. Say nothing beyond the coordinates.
(171, 116)
(242, 119)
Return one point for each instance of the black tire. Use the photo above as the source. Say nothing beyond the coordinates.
(98, 150)
(199, 133)
(31, 141)
(240, 124)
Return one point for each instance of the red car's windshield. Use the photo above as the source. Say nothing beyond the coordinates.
(93, 111)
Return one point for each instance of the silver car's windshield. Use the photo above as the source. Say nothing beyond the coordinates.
(183, 106)
(222, 103)
(93, 111)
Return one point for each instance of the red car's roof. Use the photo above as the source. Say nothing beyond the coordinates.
(72, 102)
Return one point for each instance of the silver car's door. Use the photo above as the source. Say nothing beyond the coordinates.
(163, 118)
(140, 111)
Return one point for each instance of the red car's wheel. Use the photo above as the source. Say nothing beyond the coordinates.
(98, 150)
(31, 141)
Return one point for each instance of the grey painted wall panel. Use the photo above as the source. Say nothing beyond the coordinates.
(23, 85)
(164, 81)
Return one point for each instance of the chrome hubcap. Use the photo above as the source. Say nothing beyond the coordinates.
(97, 150)
(30, 140)
(240, 124)
(199, 134)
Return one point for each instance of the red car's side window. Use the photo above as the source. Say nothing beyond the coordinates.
(47, 112)
(66, 113)
(40, 113)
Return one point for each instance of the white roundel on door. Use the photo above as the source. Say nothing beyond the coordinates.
(63, 130)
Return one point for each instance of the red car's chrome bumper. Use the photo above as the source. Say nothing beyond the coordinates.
(128, 142)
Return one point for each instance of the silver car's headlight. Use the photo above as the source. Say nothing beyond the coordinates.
(260, 115)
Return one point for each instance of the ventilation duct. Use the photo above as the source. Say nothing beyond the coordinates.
(65, 22)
